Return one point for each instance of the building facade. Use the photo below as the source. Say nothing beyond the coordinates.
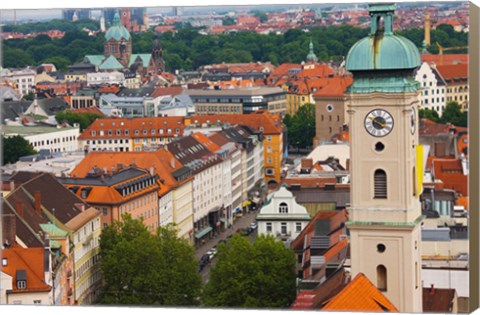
(282, 216)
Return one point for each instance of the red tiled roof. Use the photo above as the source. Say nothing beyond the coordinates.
(163, 91)
(443, 59)
(428, 127)
(450, 72)
(91, 109)
(32, 261)
(360, 295)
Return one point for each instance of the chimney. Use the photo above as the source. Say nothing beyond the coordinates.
(172, 163)
(152, 169)
(432, 289)
(38, 202)
(12, 185)
(19, 209)
(80, 206)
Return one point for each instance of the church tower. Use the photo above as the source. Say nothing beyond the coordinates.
(157, 56)
(118, 42)
(385, 213)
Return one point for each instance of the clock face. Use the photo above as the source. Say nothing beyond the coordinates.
(413, 120)
(378, 123)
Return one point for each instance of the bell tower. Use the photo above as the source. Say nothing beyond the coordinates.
(385, 213)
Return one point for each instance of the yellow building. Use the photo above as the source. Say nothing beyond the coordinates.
(270, 125)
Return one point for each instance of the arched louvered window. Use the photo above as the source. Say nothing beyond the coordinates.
(381, 278)
(283, 208)
(380, 184)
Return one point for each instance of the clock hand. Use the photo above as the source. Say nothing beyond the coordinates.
(376, 121)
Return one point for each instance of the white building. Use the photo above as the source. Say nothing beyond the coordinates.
(165, 209)
(23, 79)
(47, 138)
(282, 216)
(99, 78)
(433, 94)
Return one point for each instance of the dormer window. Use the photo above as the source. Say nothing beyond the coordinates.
(21, 276)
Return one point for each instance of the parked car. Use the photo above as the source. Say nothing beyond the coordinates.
(210, 254)
(253, 225)
(205, 259)
(249, 230)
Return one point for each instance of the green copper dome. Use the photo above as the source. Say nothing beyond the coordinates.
(382, 49)
(117, 31)
(311, 55)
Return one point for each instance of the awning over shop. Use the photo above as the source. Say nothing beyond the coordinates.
(246, 203)
(224, 220)
(203, 232)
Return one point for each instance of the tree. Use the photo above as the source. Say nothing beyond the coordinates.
(430, 114)
(228, 21)
(454, 115)
(144, 269)
(83, 119)
(258, 275)
(14, 148)
(301, 127)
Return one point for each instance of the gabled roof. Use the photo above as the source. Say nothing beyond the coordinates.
(162, 91)
(453, 72)
(144, 58)
(95, 59)
(31, 262)
(13, 109)
(360, 295)
(445, 59)
(111, 63)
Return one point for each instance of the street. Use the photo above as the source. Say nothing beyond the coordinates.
(241, 222)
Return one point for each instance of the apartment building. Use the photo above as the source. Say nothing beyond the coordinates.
(433, 95)
(130, 134)
(42, 213)
(174, 181)
(207, 189)
(269, 125)
(23, 80)
(456, 77)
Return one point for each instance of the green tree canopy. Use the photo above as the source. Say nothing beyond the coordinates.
(453, 114)
(14, 148)
(144, 269)
(258, 275)
(428, 113)
(84, 119)
(301, 127)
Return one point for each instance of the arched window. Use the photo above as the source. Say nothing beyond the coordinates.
(283, 208)
(380, 184)
(381, 278)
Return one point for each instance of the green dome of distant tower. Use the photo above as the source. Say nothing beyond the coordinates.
(311, 57)
(117, 31)
(383, 61)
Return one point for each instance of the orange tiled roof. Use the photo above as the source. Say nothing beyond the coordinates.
(270, 123)
(310, 182)
(319, 71)
(163, 161)
(450, 172)
(209, 144)
(336, 86)
(428, 127)
(360, 295)
(32, 261)
(462, 201)
(132, 124)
